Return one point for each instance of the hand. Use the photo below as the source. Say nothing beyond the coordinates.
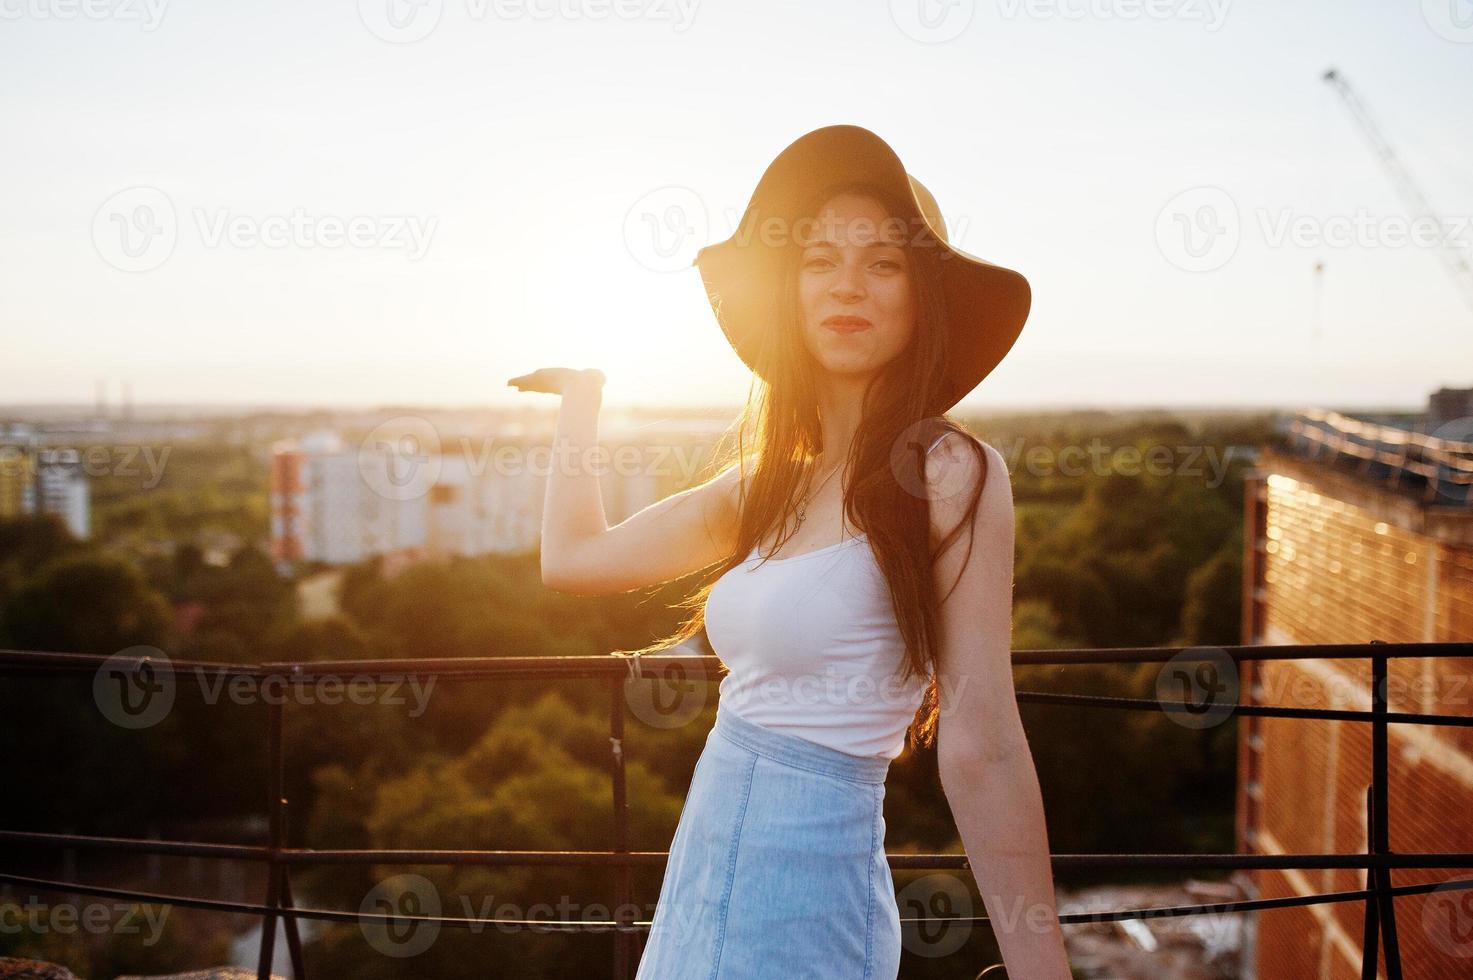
(558, 380)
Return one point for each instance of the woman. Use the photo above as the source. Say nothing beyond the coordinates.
(864, 326)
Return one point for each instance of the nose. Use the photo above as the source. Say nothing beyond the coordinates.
(848, 284)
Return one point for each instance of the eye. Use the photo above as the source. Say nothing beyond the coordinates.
(890, 264)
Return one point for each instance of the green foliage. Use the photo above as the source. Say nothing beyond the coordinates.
(1117, 563)
(180, 490)
(84, 603)
(79, 602)
(538, 779)
(246, 599)
(1123, 780)
(29, 541)
(1210, 614)
(336, 638)
(26, 543)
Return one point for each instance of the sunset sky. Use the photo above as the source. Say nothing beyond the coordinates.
(500, 163)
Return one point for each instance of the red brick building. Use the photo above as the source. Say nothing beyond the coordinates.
(1358, 532)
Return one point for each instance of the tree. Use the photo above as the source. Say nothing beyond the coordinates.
(84, 603)
(1213, 609)
(537, 780)
(82, 769)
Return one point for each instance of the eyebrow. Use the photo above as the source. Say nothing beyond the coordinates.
(828, 244)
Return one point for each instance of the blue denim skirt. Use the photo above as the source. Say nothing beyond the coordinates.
(777, 867)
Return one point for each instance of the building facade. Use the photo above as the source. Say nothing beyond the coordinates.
(39, 479)
(337, 503)
(1350, 538)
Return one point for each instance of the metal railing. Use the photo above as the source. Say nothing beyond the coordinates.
(1378, 862)
(1443, 467)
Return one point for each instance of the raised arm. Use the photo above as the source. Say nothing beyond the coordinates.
(669, 539)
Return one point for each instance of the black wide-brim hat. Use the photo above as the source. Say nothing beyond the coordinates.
(986, 304)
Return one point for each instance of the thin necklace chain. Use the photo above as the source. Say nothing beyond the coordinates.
(802, 510)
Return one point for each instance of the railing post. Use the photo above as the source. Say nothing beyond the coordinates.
(293, 934)
(1370, 934)
(623, 961)
(1379, 830)
(274, 811)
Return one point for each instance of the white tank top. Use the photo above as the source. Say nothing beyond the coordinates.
(813, 649)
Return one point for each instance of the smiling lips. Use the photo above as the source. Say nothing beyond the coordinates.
(847, 324)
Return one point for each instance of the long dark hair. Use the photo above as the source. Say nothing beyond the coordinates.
(778, 434)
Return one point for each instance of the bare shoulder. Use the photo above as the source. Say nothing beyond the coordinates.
(954, 468)
(725, 492)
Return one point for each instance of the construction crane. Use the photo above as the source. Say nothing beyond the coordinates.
(1411, 193)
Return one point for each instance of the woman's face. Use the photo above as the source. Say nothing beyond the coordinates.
(854, 286)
